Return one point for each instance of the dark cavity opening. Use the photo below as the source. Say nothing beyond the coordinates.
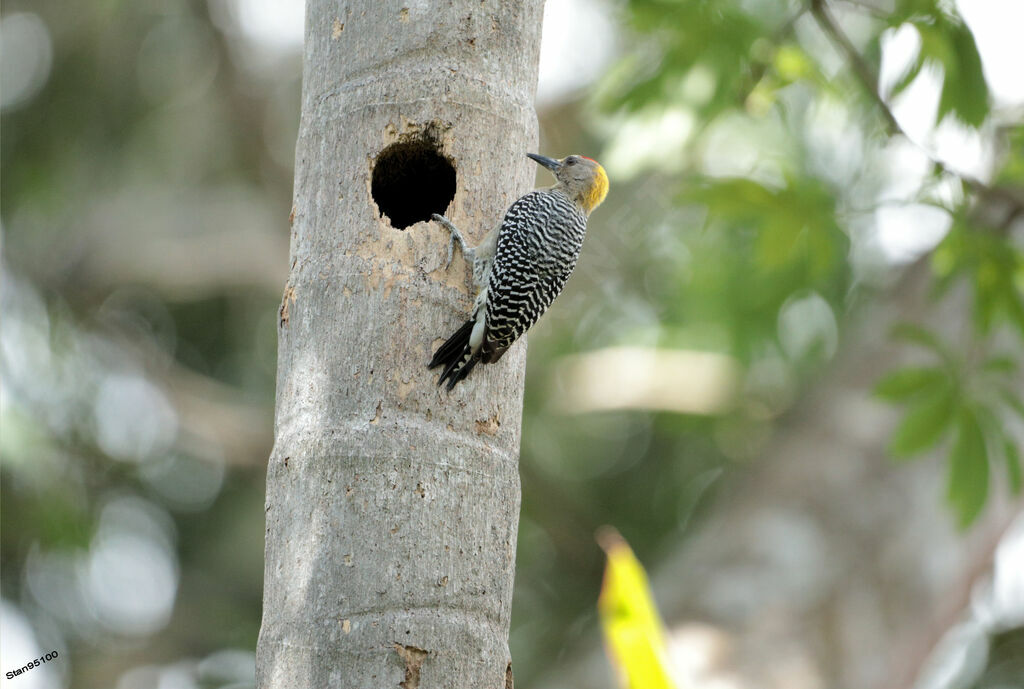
(411, 180)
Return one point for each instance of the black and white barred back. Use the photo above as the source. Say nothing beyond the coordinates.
(538, 246)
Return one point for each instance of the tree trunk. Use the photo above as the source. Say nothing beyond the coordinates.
(392, 507)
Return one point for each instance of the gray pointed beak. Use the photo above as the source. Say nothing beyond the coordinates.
(549, 163)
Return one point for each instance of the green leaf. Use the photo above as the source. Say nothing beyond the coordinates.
(947, 41)
(1012, 457)
(964, 90)
(967, 488)
(925, 423)
(906, 383)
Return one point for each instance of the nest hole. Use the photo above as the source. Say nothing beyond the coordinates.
(410, 181)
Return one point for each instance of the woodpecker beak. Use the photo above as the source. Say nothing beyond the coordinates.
(549, 163)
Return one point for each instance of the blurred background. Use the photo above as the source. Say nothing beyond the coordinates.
(810, 270)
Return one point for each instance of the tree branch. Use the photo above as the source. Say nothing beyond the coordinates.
(866, 76)
(860, 67)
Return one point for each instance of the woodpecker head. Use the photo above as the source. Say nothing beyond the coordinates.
(582, 179)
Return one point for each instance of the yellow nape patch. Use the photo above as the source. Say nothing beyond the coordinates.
(598, 190)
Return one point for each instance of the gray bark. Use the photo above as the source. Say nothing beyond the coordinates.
(392, 507)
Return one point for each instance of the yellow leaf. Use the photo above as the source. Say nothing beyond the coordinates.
(633, 631)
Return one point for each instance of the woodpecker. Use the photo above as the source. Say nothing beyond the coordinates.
(522, 264)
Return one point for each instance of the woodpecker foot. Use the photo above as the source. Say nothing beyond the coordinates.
(455, 236)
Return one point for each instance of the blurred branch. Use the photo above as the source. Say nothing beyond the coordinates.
(214, 414)
(188, 243)
(860, 67)
(185, 267)
(866, 76)
(956, 601)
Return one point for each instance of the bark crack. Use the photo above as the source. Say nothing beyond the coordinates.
(488, 426)
(413, 658)
(289, 298)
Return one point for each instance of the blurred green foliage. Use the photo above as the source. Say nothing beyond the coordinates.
(765, 125)
(991, 265)
(969, 402)
(794, 222)
(946, 43)
(145, 205)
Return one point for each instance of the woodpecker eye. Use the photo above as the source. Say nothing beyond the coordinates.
(571, 160)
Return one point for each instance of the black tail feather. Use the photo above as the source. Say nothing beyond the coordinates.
(457, 373)
(453, 347)
(455, 356)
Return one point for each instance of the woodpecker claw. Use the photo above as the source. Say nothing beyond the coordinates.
(454, 236)
(451, 251)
